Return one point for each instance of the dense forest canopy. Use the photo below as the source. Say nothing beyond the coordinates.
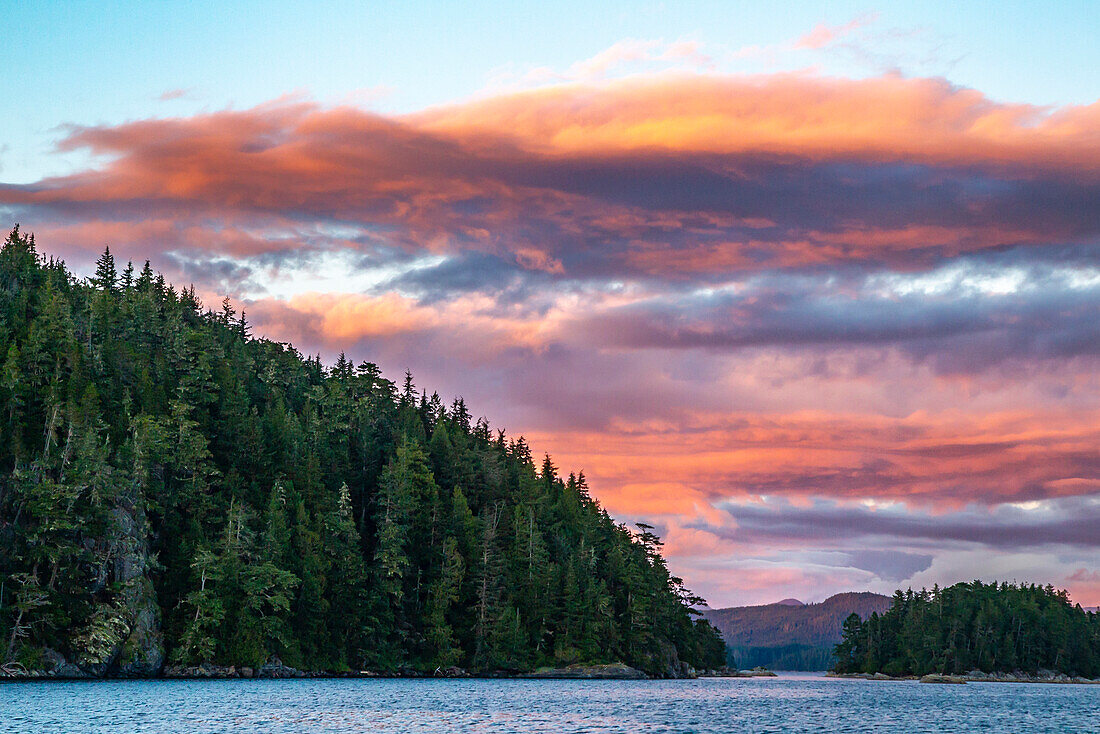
(175, 489)
(974, 626)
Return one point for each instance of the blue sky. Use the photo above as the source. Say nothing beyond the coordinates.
(106, 62)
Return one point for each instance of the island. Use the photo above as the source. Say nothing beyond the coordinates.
(996, 632)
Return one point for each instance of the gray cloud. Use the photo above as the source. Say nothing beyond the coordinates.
(890, 565)
(1064, 522)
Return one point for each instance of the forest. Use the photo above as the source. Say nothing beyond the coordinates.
(974, 626)
(175, 490)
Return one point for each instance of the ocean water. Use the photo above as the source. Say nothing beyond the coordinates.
(789, 703)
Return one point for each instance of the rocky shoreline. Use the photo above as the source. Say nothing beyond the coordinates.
(757, 672)
(976, 676)
(61, 669)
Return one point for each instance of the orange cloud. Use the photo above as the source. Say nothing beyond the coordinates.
(340, 320)
(683, 173)
(885, 118)
(683, 284)
(945, 461)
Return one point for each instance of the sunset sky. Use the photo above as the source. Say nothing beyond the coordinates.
(814, 289)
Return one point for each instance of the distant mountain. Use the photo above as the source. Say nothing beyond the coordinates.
(790, 635)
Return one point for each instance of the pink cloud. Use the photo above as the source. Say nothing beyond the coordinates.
(824, 35)
(668, 281)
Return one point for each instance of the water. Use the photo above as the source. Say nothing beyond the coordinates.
(789, 703)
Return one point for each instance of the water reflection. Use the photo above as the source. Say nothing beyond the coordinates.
(789, 703)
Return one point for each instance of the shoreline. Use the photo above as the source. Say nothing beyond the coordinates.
(612, 671)
(278, 671)
(975, 676)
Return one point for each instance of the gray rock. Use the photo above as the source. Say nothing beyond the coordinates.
(614, 671)
(731, 673)
(141, 652)
(206, 670)
(662, 660)
(451, 671)
(70, 670)
(52, 660)
(937, 678)
(757, 672)
(274, 668)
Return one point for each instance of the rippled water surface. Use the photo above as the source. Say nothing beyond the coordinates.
(789, 703)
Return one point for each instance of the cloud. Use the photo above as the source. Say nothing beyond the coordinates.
(824, 35)
(1068, 522)
(964, 317)
(734, 564)
(701, 288)
(1085, 587)
(888, 118)
(890, 565)
(930, 460)
(677, 179)
(625, 57)
(174, 94)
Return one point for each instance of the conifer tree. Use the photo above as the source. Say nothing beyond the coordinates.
(106, 276)
(206, 612)
(348, 623)
(127, 281)
(168, 481)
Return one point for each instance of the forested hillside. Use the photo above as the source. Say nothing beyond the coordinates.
(974, 626)
(790, 635)
(175, 490)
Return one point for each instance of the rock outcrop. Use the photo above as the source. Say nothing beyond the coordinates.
(140, 653)
(51, 664)
(663, 661)
(1018, 676)
(937, 678)
(274, 668)
(977, 676)
(757, 672)
(207, 670)
(614, 671)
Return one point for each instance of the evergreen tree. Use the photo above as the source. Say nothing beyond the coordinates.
(170, 482)
(973, 626)
(106, 276)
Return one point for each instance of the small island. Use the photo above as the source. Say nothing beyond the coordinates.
(997, 632)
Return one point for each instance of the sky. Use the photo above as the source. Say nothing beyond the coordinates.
(813, 288)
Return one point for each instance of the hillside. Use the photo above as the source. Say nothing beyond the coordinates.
(174, 490)
(789, 635)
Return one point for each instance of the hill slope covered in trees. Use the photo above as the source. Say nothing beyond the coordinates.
(789, 635)
(974, 626)
(175, 490)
